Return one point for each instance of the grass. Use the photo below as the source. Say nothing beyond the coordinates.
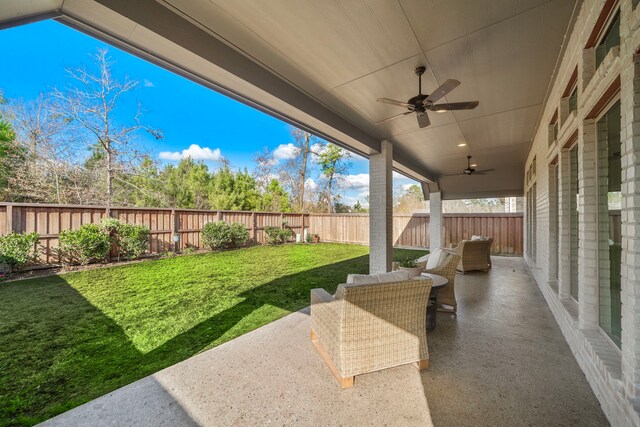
(69, 338)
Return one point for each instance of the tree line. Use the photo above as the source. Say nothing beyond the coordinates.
(80, 144)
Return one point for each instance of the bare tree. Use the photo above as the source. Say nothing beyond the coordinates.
(295, 170)
(90, 102)
(46, 165)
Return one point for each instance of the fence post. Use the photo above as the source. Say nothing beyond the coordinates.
(253, 227)
(219, 215)
(174, 231)
(9, 220)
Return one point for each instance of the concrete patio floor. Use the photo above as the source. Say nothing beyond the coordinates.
(502, 361)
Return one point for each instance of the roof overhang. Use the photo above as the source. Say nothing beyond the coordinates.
(327, 83)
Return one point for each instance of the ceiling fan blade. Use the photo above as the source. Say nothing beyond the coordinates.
(394, 117)
(469, 105)
(394, 102)
(444, 89)
(423, 120)
(454, 174)
(483, 171)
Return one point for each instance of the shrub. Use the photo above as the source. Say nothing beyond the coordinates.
(16, 249)
(130, 240)
(220, 235)
(87, 244)
(277, 235)
(309, 238)
(239, 235)
(190, 250)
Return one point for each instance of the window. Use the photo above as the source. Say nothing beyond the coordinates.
(610, 40)
(573, 100)
(609, 223)
(573, 221)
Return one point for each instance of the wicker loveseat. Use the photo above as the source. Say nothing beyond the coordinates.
(369, 327)
(474, 255)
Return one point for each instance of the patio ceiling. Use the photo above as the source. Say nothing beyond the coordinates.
(323, 64)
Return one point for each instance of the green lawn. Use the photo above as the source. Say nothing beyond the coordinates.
(70, 338)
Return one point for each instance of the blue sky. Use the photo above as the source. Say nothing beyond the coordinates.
(187, 113)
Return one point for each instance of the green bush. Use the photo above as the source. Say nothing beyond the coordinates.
(220, 235)
(18, 249)
(239, 235)
(277, 235)
(87, 244)
(130, 240)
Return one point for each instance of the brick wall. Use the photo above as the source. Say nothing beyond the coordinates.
(614, 374)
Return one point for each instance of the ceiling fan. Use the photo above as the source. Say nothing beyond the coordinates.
(471, 171)
(420, 103)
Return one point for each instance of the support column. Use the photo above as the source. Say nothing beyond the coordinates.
(381, 209)
(587, 227)
(436, 235)
(630, 269)
(564, 208)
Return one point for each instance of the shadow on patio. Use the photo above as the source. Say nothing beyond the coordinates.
(503, 361)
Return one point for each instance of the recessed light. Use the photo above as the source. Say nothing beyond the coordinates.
(462, 144)
(474, 165)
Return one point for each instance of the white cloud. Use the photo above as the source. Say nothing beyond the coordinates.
(356, 182)
(285, 152)
(195, 152)
(310, 184)
(318, 148)
(147, 83)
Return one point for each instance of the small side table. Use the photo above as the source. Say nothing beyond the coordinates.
(432, 305)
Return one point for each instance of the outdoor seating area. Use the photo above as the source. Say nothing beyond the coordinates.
(275, 375)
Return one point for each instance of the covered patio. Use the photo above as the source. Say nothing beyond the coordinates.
(503, 361)
(558, 121)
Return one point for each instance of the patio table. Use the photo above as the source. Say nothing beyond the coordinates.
(432, 306)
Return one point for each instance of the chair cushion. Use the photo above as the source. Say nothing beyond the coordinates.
(434, 259)
(362, 279)
(367, 279)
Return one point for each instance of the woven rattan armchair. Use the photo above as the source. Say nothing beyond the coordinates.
(366, 328)
(474, 255)
(447, 268)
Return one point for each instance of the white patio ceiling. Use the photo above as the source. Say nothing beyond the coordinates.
(339, 56)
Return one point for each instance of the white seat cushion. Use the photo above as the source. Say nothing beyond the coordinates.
(366, 279)
(434, 259)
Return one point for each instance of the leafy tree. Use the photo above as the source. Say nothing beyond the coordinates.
(358, 208)
(8, 150)
(275, 198)
(410, 200)
(186, 185)
(333, 163)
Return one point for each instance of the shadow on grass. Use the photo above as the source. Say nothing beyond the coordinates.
(59, 351)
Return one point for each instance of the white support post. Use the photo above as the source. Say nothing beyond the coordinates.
(381, 209)
(436, 235)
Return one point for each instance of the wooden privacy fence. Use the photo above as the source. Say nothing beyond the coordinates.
(408, 230)
(412, 230)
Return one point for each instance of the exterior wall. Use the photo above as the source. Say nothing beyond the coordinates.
(614, 374)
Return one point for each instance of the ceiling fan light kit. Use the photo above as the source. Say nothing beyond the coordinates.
(422, 103)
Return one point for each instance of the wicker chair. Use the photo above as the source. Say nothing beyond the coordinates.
(366, 328)
(474, 255)
(447, 269)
